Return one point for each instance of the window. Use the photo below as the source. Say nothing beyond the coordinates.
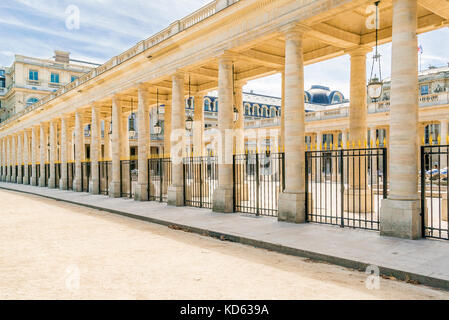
(31, 101)
(206, 104)
(2, 73)
(54, 78)
(2, 82)
(424, 89)
(33, 75)
(73, 78)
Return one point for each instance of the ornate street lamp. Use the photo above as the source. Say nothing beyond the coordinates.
(375, 84)
(189, 119)
(132, 130)
(157, 127)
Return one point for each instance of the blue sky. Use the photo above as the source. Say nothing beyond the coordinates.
(109, 27)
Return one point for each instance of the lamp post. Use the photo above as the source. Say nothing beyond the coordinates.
(132, 130)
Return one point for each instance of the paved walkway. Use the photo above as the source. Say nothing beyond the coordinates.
(425, 261)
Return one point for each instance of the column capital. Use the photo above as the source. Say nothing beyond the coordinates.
(179, 75)
(295, 29)
(358, 50)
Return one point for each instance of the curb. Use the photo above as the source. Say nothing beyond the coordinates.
(335, 260)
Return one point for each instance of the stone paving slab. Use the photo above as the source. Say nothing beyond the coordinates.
(425, 261)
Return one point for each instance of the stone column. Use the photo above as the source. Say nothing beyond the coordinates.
(167, 128)
(19, 157)
(3, 155)
(143, 142)
(373, 144)
(63, 183)
(34, 157)
(114, 186)
(283, 112)
(177, 150)
(400, 213)
(107, 139)
(95, 149)
(124, 136)
(292, 200)
(14, 158)
(239, 125)
(359, 197)
(42, 152)
(26, 157)
(223, 195)
(198, 125)
(8, 159)
(358, 103)
(79, 145)
(53, 154)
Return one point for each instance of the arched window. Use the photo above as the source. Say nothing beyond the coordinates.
(247, 109)
(206, 104)
(257, 110)
(31, 101)
(273, 112)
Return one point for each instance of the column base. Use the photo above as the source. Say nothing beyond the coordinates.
(114, 190)
(94, 186)
(359, 200)
(26, 180)
(20, 180)
(42, 182)
(77, 185)
(292, 207)
(400, 218)
(175, 196)
(52, 183)
(34, 181)
(223, 200)
(63, 184)
(141, 192)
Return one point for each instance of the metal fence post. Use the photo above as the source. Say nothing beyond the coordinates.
(342, 188)
(306, 186)
(257, 185)
(423, 192)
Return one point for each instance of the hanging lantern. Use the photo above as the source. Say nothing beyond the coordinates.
(132, 130)
(157, 127)
(374, 87)
(189, 119)
(236, 114)
(189, 122)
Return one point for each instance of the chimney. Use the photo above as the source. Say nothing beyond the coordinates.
(62, 56)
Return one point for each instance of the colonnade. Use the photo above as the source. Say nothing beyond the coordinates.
(399, 213)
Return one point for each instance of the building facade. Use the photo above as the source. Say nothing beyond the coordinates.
(29, 79)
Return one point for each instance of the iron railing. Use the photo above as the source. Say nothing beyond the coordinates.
(85, 175)
(104, 171)
(159, 178)
(258, 181)
(128, 177)
(200, 181)
(47, 174)
(433, 186)
(345, 187)
(57, 174)
(70, 175)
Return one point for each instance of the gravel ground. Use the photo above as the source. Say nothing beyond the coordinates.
(55, 250)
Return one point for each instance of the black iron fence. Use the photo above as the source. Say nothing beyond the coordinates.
(105, 171)
(258, 181)
(128, 177)
(70, 174)
(57, 174)
(85, 175)
(345, 187)
(159, 178)
(200, 181)
(433, 187)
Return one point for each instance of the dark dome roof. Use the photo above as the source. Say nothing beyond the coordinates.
(323, 95)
